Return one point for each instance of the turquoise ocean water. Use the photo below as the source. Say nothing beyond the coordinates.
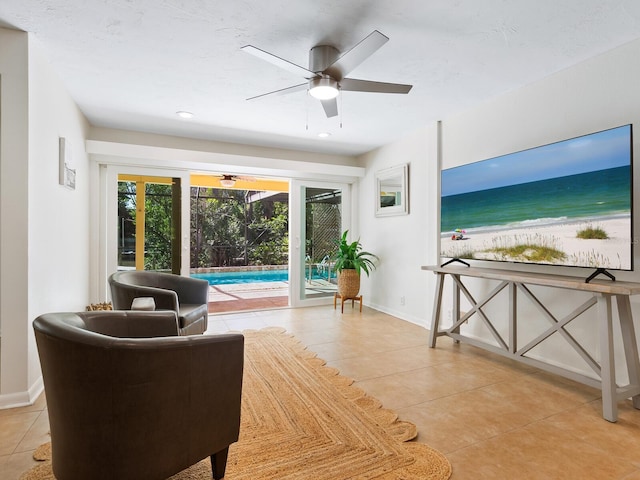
(592, 195)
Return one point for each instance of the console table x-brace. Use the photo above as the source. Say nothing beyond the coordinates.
(603, 292)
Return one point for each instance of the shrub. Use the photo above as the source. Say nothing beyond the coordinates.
(590, 232)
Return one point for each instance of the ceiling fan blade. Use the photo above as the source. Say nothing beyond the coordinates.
(330, 107)
(356, 55)
(283, 91)
(355, 85)
(279, 62)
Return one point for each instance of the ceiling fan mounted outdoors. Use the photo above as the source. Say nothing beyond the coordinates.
(328, 70)
(230, 180)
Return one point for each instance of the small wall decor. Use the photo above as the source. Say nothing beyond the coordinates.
(67, 174)
(392, 193)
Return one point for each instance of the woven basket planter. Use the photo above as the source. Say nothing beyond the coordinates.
(348, 283)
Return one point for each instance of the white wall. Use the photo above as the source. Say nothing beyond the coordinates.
(45, 258)
(597, 94)
(58, 216)
(403, 243)
(13, 214)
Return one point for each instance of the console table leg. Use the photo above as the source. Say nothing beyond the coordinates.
(513, 318)
(455, 305)
(630, 344)
(437, 307)
(607, 366)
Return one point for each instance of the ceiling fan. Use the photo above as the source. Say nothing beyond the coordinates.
(328, 70)
(230, 180)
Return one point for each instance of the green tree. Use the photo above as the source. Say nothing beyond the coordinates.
(158, 227)
(217, 227)
(270, 231)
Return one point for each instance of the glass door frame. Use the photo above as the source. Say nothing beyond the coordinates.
(297, 223)
(108, 228)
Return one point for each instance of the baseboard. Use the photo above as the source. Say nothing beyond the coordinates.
(422, 322)
(22, 399)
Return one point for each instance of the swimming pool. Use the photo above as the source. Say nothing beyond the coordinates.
(252, 276)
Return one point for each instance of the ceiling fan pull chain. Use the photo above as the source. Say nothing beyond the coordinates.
(341, 110)
(306, 103)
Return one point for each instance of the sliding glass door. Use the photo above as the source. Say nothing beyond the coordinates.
(319, 213)
(143, 221)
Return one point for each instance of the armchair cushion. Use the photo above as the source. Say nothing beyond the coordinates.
(186, 296)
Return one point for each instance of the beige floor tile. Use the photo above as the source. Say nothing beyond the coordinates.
(389, 391)
(12, 466)
(620, 439)
(13, 428)
(537, 451)
(36, 435)
(244, 322)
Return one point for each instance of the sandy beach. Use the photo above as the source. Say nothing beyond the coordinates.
(614, 252)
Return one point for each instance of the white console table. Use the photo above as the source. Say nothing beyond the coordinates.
(602, 293)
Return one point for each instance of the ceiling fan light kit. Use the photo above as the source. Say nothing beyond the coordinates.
(227, 181)
(328, 69)
(323, 88)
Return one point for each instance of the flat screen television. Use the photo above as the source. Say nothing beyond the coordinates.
(568, 203)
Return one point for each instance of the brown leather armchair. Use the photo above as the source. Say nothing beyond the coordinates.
(186, 296)
(137, 408)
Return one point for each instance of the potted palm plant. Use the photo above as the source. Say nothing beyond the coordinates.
(350, 260)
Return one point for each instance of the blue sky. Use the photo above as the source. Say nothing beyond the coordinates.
(597, 151)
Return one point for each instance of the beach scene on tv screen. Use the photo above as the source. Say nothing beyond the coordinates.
(567, 203)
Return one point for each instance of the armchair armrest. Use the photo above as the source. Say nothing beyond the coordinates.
(164, 299)
(190, 290)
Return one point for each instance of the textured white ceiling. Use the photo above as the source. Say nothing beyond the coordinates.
(131, 64)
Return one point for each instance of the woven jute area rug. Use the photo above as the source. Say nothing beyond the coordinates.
(302, 420)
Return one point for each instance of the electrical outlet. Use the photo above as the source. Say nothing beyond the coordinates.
(402, 300)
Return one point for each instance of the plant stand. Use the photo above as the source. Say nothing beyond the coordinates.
(344, 299)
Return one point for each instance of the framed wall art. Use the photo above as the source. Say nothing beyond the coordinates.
(391, 192)
(66, 172)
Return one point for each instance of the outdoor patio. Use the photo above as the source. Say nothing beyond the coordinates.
(260, 295)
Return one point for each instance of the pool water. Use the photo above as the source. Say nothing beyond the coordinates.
(252, 276)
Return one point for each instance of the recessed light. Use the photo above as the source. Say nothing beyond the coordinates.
(183, 114)
(324, 134)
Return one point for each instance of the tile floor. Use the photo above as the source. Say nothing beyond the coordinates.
(493, 418)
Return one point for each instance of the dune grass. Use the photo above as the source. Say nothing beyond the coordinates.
(521, 248)
(530, 253)
(592, 233)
